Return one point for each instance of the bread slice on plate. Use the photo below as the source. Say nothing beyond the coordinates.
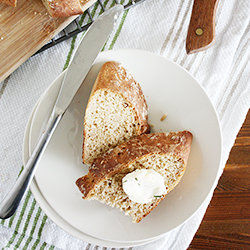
(65, 8)
(9, 2)
(116, 111)
(165, 153)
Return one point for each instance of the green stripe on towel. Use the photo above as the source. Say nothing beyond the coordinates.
(26, 224)
(19, 219)
(33, 228)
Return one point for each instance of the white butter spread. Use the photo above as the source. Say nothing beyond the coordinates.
(143, 185)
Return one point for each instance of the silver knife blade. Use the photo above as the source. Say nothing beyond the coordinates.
(83, 58)
(86, 53)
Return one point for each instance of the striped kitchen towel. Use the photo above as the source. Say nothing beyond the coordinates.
(159, 26)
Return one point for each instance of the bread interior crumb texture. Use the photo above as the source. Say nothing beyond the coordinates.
(110, 191)
(110, 120)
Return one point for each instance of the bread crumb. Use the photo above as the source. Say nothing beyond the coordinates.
(152, 125)
(163, 117)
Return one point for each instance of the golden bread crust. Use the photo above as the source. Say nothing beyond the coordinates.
(9, 2)
(116, 78)
(64, 8)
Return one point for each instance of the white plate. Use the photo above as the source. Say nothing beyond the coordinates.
(168, 89)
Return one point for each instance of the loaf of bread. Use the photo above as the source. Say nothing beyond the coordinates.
(116, 111)
(9, 2)
(60, 8)
(64, 8)
(165, 153)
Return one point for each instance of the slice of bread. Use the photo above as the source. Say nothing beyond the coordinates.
(116, 111)
(166, 153)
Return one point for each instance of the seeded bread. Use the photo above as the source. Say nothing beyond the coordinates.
(60, 8)
(9, 2)
(116, 111)
(64, 8)
(166, 153)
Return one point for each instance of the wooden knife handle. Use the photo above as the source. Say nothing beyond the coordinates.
(201, 31)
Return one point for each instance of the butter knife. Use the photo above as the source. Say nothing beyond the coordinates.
(85, 55)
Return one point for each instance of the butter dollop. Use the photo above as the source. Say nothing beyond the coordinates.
(143, 185)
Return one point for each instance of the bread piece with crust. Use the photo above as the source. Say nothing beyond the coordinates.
(9, 2)
(166, 153)
(116, 111)
(64, 8)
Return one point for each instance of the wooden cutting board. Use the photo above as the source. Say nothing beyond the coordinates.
(24, 30)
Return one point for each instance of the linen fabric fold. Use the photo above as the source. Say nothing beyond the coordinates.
(156, 26)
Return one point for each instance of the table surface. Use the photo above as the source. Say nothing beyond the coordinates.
(226, 224)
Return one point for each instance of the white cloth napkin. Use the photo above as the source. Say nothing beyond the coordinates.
(159, 26)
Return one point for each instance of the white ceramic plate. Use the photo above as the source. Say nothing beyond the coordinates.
(168, 89)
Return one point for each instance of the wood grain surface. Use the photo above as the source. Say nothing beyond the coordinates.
(226, 224)
(201, 31)
(24, 30)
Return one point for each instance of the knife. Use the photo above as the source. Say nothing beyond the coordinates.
(85, 55)
(201, 30)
